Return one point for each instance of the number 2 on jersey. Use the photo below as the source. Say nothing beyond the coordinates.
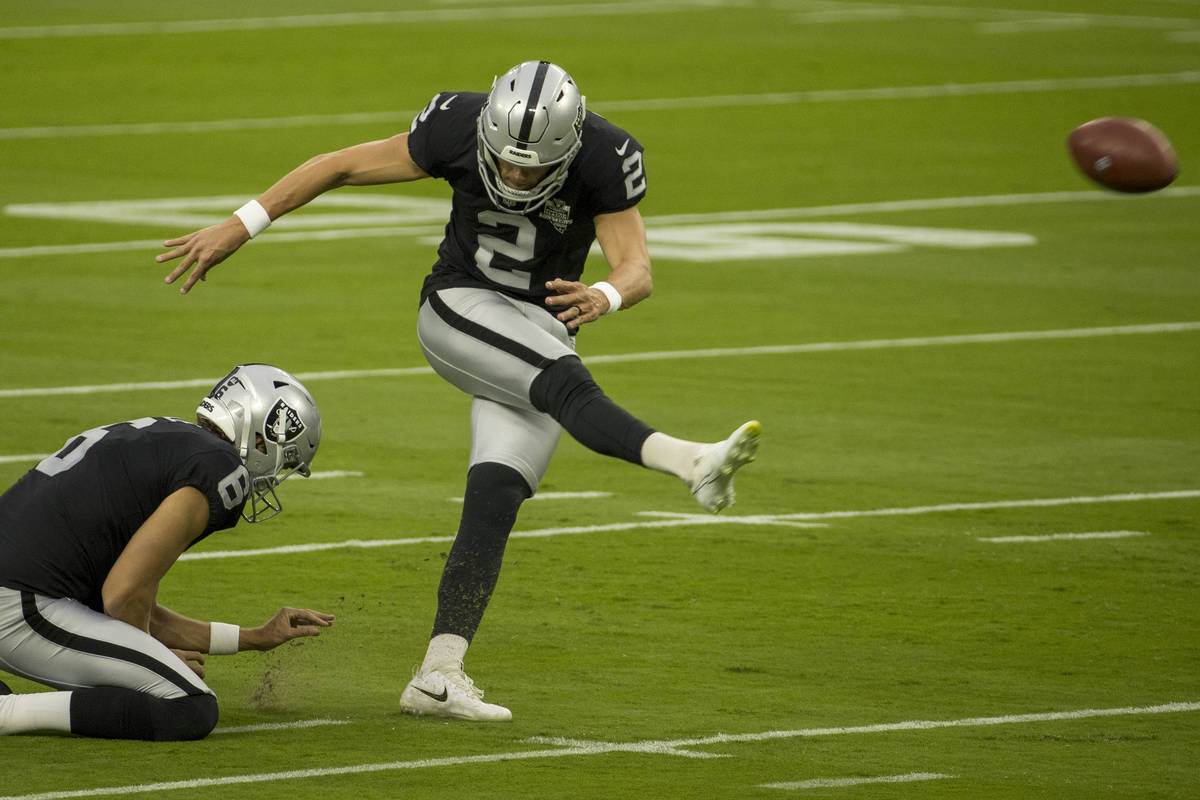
(521, 251)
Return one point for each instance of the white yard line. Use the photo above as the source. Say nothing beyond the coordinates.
(1053, 537)
(988, 20)
(357, 19)
(666, 355)
(554, 496)
(540, 533)
(674, 520)
(404, 116)
(920, 204)
(1129, 497)
(838, 783)
(281, 726)
(657, 223)
(31, 458)
(567, 748)
(336, 473)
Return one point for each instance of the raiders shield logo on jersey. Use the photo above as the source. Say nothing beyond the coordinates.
(283, 420)
(557, 213)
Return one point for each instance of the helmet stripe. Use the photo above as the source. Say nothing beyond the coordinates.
(531, 106)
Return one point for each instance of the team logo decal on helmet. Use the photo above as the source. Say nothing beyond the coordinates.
(283, 422)
(533, 117)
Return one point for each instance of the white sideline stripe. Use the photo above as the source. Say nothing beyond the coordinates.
(663, 355)
(653, 223)
(837, 783)
(355, 19)
(600, 748)
(281, 726)
(677, 520)
(1058, 536)
(623, 106)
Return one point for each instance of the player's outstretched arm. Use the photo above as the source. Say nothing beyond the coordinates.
(383, 161)
(184, 633)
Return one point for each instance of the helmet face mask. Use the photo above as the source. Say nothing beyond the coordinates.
(533, 117)
(272, 421)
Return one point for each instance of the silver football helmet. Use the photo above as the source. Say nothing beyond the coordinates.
(533, 117)
(273, 422)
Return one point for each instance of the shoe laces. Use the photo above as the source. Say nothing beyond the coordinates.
(454, 674)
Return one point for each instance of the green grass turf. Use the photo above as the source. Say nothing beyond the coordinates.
(667, 634)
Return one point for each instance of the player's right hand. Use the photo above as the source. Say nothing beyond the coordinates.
(193, 658)
(203, 250)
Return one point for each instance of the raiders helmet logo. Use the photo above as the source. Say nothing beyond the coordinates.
(283, 420)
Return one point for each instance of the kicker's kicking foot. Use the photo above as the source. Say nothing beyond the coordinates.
(712, 473)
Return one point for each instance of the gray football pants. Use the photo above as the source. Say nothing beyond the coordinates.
(492, 347)
(64, 644)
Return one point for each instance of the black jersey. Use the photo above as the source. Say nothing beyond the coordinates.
(518, 253)
(63, 525)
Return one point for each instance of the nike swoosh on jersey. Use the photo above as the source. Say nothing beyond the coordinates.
(446, 105)
(621, 150)
(441, 698)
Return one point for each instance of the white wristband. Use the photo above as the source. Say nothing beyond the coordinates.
(222, 638)
(254, 217)
(610, 291)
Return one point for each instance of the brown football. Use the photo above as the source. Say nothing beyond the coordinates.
(1123, 153)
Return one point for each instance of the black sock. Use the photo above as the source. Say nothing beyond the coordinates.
(493, 496)
(565, 390)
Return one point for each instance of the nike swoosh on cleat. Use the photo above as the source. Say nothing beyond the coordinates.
(621, 150)
(441, 698)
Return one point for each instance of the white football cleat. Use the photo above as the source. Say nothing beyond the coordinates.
(446, 691)
(712, 473)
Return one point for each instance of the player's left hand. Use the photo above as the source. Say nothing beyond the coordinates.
(576, 303)
(287, 624)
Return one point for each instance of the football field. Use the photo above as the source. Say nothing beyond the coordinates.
(967, 560)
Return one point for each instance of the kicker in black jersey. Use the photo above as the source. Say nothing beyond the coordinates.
(513, 253)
